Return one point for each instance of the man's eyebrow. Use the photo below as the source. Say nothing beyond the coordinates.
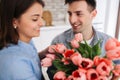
(77, 11)
(74, 11)
(68, 12)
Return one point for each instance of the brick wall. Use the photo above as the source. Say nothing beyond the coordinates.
(58, 10)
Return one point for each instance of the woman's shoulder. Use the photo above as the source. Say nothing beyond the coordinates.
(13, 59)
(14, 65)
(9, 49)
(12, 54)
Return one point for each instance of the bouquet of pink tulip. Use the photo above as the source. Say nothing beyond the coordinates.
(82, 62)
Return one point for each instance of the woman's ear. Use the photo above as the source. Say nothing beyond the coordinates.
(14, 23)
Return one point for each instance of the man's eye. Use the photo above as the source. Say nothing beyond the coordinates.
(69, 14)
(79, 14)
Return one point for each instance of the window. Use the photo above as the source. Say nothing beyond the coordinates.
(117, 34)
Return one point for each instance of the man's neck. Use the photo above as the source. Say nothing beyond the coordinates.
(88, 34)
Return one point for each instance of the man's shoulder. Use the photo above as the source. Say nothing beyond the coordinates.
(64, 34)
(102, 35)
(67, 32)
(63, 37)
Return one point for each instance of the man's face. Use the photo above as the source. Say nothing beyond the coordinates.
(80, 16)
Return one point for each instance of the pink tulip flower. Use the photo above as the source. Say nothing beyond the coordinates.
(82, 70)
(116, 70)
(68, 53)
(92, 74)
(110, 44)
(86, 63)
(65, 61)
(98, 60)
(70, 77)
(60, 75)
(78, 37)
(78, 75)
(76, 58)
(113, 54)
(60, 48)
(74, 43)
(102, 78)
(103, 69)
(117, 42)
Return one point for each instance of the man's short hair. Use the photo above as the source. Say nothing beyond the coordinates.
(91, 3)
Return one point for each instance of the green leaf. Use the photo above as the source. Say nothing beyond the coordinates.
(96, 49)
(69, 44)
(68, 69)
(59, 55)
(88, 51)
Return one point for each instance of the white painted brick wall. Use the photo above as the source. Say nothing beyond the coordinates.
(58, 10)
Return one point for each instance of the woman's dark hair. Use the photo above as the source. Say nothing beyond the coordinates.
(91, 3)
(10, 9)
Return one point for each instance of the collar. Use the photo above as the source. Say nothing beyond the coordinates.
(70, 35)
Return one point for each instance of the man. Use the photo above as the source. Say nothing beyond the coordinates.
(81, 13)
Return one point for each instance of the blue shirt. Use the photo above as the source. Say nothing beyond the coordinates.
(68, 35)
(19, 62)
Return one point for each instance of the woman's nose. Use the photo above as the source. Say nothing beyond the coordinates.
(41, 22)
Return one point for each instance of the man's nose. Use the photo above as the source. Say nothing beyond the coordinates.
(73, 18)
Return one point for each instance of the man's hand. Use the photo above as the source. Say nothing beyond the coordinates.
(43, 53)
(116, 78)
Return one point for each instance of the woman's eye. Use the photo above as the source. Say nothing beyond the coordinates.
(34, 19)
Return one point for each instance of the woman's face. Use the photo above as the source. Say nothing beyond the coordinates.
(28, 25)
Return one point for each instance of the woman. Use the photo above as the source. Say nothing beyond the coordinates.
(20, 21)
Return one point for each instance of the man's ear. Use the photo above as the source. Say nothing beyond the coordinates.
(94, 13)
